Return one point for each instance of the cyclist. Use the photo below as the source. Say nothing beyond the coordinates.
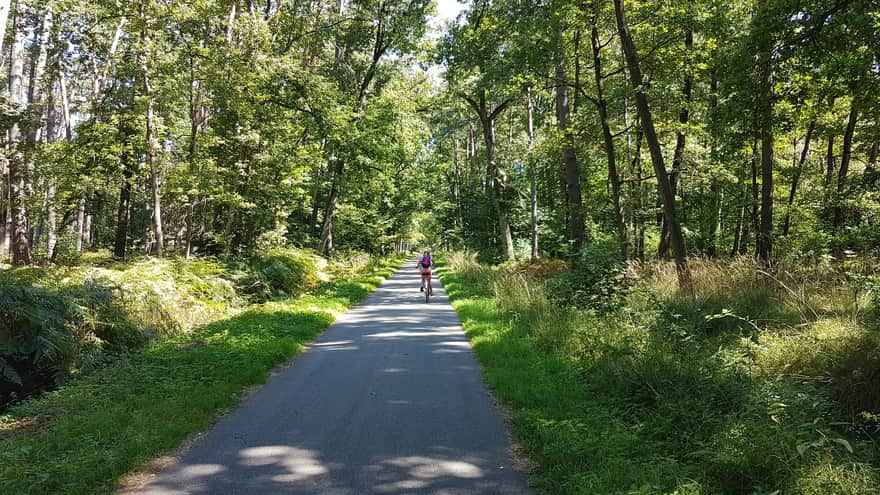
(425, 264)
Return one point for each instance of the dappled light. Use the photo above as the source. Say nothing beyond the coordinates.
(388, 400)
(284, 469)
(652, 227)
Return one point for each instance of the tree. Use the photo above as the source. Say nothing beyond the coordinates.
(17, 166)
(667, 196)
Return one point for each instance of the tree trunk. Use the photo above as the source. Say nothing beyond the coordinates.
(715, 223)
(576, 228)
(471, 142)
(739, 231)
(805, 152)
(230, 22)
(5, 6)
(105, 74)
(871, 171)
(5, 205)
(533, 182)
(123, 210)
(755, 212)
(316, 200)
(875, 148)
(325, 244)
(576, 100)
(80, 224)
(638, 193)
(829, 162)
(17, 166)
(608, 139)
(67, 124)
(715, 190)
(35, 102)
(380, 47)
(55, 131)
(497, 192)
(196, 119)
(149, 137)
(872, 156)
(765, 114)
(87, 231)
(647, 121)
(51, 222)
(457, 186)
(487, 122)
(844, 164)
(678, 154)
(36, 87)
(765, 238)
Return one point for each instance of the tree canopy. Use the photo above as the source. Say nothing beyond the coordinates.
(642, 128)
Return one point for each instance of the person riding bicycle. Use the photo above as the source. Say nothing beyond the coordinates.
(425, 264)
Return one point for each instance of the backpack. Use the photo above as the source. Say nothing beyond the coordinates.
(426, 261)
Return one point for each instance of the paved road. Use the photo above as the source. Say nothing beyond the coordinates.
(389, 400)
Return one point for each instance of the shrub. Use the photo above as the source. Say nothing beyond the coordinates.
(167, 297)
(283, 271)
(597, 280)
(47, 331)
(541, 268)
(61, 320)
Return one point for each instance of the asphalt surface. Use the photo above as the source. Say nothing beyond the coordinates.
(389, 400)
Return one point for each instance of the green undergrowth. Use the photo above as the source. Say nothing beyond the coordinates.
(59, 321)
(81, 438)
(747, 389)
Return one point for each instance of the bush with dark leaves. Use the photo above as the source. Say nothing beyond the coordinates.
(598, 280)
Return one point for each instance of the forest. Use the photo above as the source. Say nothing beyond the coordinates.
(675, 201)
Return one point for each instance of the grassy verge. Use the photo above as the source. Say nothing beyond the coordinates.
(82, 438)
(571, 438)
(660, 397)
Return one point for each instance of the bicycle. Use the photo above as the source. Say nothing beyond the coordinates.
(425, 265)
(429, 290)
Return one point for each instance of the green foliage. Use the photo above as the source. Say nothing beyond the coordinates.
(51, 330)
(158, 396)
(476, 276)
(65, 320)
(597, 280)
(61, 321)
(284, 271)
(666, 394)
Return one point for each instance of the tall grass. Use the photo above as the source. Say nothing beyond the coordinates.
(476, 276)
(763, 382)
